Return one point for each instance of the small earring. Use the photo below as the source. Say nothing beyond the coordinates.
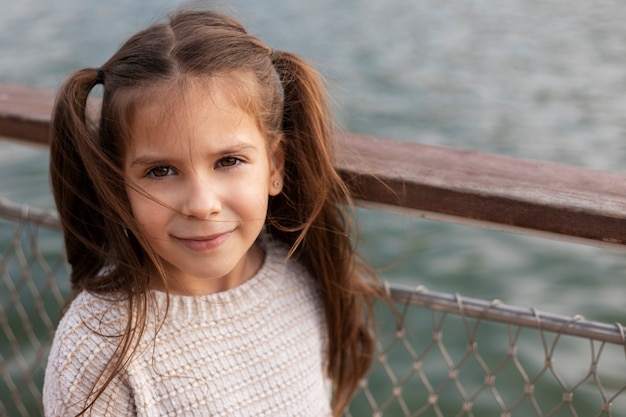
(276, 184)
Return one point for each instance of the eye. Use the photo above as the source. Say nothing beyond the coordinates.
(162, 171)
(229, 161)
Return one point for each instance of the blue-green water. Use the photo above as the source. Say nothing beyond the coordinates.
(543, 80)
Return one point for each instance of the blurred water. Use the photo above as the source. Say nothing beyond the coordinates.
(533, 79)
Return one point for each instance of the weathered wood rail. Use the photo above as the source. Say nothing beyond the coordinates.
(527, 196)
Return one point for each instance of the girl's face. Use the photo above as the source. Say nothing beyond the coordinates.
(198, 174)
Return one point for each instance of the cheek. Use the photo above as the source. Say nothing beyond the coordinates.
(250, 196)
(145, 210)
(151, 197)
(135, 201)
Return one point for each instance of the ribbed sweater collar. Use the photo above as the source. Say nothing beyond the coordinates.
(236, 301)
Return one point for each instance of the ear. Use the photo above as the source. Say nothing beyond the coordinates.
(277, 165)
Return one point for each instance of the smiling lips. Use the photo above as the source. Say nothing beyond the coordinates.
(204, 243)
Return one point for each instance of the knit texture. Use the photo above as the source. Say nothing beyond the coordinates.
(256, 350)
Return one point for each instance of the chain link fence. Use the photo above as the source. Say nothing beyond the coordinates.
(33, 286)
(444, 355)
(438, 354)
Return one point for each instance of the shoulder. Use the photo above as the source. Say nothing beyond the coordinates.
(278, 261)
(293, 286)
(84, 343)
(92, 317)
(285, 277)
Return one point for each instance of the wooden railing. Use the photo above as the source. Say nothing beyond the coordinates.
(534, 197)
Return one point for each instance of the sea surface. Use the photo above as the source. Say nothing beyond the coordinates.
(531, 79)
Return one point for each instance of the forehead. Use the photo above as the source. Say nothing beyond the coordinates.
(157, 104)
(194, 118)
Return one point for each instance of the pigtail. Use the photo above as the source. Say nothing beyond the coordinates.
(71, 154)
(312, 213)
(306, 125)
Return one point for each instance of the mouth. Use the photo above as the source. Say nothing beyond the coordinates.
(203, 243)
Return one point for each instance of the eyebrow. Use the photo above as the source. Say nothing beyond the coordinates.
(230, 150)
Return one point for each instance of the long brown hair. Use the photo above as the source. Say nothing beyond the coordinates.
(312, 215)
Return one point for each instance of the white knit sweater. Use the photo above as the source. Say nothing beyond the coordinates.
(255, 350)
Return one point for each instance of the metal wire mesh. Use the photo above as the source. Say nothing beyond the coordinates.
(444, 355)
(438, 354)
(33, 287)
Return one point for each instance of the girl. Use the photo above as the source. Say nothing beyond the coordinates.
(212, 268)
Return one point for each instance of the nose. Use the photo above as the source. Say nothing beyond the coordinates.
(201, 199)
